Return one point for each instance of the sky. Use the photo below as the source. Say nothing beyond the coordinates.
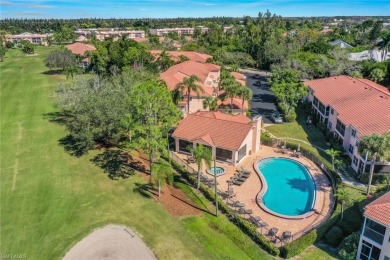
(187, 8)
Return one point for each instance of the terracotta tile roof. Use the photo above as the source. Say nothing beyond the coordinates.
(237, 102)
(359, 102)
(80, 48)
(239, 77)
(379, 209)
(215, 128)
(176, 74)
(191, 55)
(140, 39)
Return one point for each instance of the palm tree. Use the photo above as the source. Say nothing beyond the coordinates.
(210, 103)
(232, 91)
(377, 147)
(333, 153)
(384, 45)
(201, 154)
(162, 174)
(225, 79)
(343, 197)
(189, 84)
(245, 94)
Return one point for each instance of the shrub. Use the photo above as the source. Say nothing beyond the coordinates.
(376, 178)
(9, 45)
(334, 236)
(349, 246)
(346, 227)
(321, 127)
(298, 246)
(291, 117)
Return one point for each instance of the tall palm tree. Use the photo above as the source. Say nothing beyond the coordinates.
(377, 147)
(232, 91)
(343, 197)
(225, 79)
(189, 84)
(245, 94)
(201, 154)
(333, 153)
(210, 103)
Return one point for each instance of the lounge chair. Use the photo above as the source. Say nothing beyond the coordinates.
(273, 231)
(286, 236)
(246, 211)
(237, 182)
(255, 220)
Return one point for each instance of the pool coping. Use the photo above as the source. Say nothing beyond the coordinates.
(225, 171)
(259, 197)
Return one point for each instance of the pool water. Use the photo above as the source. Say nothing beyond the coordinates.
(291, 189)
(217, 170)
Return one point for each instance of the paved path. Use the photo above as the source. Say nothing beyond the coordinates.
(110, 242)
(263, 101)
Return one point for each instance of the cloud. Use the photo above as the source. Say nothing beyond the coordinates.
(29, 13)
(25, 5)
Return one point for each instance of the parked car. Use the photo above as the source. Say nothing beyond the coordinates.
(257, 83)
(256, 76)
(276, 117)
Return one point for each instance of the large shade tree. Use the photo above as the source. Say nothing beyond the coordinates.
(153, 114)
(189, 85)
(288, 89)
(377, 148)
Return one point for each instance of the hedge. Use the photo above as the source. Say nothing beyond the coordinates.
(298, 246)
(334, 236)
(235, 218)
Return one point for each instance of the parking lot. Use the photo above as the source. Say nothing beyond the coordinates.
(263, 101)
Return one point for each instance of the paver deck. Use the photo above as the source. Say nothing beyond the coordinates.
(247, 192)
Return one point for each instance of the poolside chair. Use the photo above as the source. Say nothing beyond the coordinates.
(262, 225)
(245, 211)
(286, 236)
(255, 220)
(273, 231)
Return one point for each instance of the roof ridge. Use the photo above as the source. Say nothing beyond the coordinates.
(368, 84)
(222, 119)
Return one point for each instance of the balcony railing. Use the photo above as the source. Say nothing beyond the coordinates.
(373, 235)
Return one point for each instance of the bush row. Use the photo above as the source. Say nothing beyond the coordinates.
(298, 246)
(235, 218)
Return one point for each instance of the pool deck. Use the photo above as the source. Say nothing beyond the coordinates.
(248, 191)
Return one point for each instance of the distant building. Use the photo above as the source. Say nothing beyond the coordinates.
(191, 55)
(104, 33)
(36, 39)
(376, 55)
(340, 43)
(352, 108)
(179, 31)
(374, 240)
(230, 137)
(81, 49)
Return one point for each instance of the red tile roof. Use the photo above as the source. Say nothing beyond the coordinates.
(359, 102)
(239, 77)
(176, 74)
(80, 48)
(215, 128)
(191, 55)
(379, 210)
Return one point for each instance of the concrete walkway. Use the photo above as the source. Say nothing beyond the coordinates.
(110, 242)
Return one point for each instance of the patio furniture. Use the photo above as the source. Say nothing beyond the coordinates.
(273, 231)
(255, 220)
(191, 159)
(286, 236)
(245, 211)
(262, 225)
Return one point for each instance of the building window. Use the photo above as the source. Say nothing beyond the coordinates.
(315, 102)
(374, 231)
(355, 160)
(329, 125)
(184, 146)
(350, 149)
(321, 108)
(353, 132)
(241, 153)
(332, 111)
(340, 127)
(357, 144)
(369, 252)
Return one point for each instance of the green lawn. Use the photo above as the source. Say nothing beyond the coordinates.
(50, 199)
(300, 130)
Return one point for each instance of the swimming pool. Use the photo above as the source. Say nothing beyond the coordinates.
(217, 170)
(288, 188)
